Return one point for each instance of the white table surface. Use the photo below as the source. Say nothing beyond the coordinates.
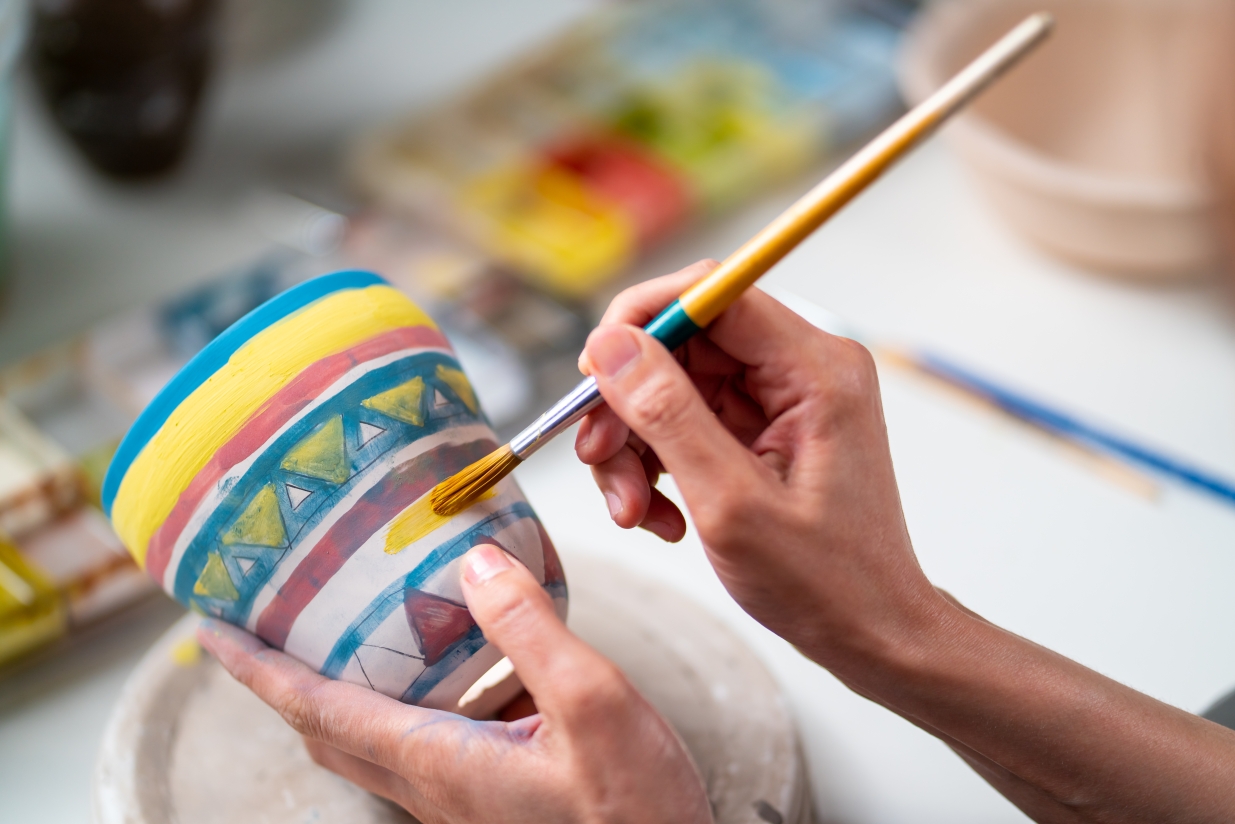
(1012, 525)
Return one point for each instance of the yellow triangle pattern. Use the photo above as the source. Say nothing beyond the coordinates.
(214, 582)
(458, 382)
(321, 455)
(261, 523)
(403, 403)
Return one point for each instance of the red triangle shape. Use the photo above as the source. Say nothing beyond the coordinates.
(438, 624)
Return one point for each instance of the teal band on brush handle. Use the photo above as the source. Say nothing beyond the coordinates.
(672, 327)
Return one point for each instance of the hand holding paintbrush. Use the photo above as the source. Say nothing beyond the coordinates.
(704, 301)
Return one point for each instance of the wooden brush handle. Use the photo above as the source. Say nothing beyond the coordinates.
(700, 304)
(713, 294)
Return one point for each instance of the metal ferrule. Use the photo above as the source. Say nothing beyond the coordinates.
(562, 415)
(672, 327)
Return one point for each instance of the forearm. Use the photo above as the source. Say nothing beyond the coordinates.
(1061, 741)
(775, 436)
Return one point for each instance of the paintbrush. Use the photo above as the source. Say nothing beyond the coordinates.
(705, 300)
(1118, 457)
(1069, 427)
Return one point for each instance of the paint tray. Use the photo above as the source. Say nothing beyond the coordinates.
(567, 165)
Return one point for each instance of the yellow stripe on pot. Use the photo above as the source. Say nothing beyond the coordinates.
(217, 409)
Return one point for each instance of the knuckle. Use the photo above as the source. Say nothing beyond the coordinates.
(658, 408)
(302, 711)
(596, 690)
(856, 379)
(628, 297)
(630, 303)
(711, 519)
(512, 608)
(727, 513)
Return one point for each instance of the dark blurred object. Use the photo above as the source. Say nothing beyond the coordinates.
(1223, 712)
(124, 77)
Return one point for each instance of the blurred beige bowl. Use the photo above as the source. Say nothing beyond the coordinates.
(1092, 148)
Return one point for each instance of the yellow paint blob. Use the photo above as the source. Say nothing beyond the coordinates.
(217, 409)
(186, 653)
(417, 521)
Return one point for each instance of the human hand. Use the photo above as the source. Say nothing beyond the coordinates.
(773, 431)
(596, 752)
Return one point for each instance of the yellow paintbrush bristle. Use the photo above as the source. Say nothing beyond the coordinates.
(465, 487)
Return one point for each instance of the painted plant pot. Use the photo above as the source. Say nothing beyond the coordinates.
(280, 482)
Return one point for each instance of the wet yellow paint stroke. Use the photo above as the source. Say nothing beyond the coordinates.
(459, 383)
(417, 521)
(216, 410)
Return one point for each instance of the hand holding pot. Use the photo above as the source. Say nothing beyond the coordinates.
(596, 751)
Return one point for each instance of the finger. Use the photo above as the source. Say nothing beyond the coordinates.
(640, 303)
(784, 354)
(517, 614)
(644, 301)
(623, 482)
(648, 390)
(652, 467)
(663, 518)
(701, 357)
(601, 435)
(364, 774)
(738, 412)
(356, 720)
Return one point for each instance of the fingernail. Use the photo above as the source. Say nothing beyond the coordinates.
(611, 348)
(660, 529)
(614, 503)
(483, 562)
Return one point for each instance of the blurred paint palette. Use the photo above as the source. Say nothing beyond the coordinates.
(38, 479)
(61, 566)
(646, 116)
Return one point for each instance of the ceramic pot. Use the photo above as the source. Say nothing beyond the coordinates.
(1091, 148)
(280, 482)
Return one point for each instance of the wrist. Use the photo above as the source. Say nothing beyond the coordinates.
(879, 657)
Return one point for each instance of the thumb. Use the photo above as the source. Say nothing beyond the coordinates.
(648, 389)
(517, 615)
